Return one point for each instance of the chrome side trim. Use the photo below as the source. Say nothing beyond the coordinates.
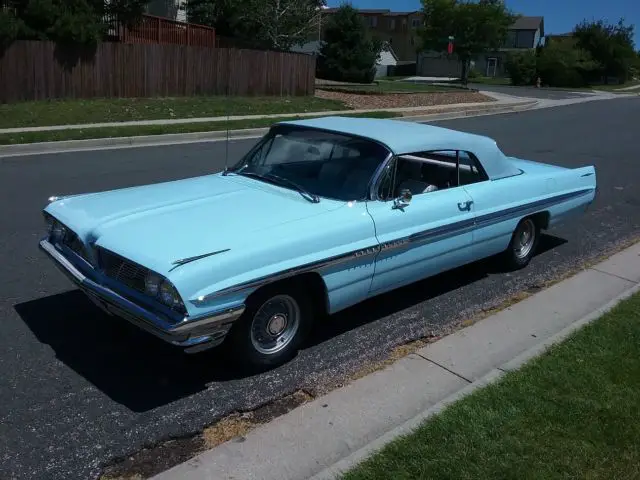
(345, 257)
(431, 235)
(528, 208)
(184, 261)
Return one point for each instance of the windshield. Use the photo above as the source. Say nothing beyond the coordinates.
(314, 162)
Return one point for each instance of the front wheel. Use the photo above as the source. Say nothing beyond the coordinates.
(524, 242)
(272, 328)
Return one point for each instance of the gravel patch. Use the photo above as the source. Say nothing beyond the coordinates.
(393, 100)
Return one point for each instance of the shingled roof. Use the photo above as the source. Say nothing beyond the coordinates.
(528, 23)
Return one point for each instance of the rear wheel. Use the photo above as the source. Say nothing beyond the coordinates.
(524, 242)
(272, 328)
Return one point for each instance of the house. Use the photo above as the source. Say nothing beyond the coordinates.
(398, 29)
(171, 9)
(388, 58)
(387, 55)
(526, 33)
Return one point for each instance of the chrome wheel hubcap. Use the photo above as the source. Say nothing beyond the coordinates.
(524, 238)
(275, 324)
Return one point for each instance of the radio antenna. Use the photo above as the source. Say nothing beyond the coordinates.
(226, 108)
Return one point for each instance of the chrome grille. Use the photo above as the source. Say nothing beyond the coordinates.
(122, 270)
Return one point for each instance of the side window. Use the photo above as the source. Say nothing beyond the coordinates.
(440, 168)
(413, 174)
(470, 170)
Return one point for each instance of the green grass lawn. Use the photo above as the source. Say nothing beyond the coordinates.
(490, 80)
(99, 110)
(572, 413)
(109, 132)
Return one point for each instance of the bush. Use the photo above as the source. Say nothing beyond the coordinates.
(561, 64)
(522, 68)
(473, 74)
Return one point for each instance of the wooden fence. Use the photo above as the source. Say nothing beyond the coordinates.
(32, 70)
(163, 31)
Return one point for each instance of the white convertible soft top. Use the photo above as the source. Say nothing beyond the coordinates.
(402, 137)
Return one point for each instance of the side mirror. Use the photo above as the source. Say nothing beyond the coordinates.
(403, 200)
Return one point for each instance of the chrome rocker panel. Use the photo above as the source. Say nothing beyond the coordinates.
(193, 334)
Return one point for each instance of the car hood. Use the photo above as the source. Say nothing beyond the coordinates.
(156, 225)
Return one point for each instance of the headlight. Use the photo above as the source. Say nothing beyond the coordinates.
(58, 231)
(152, 284)
(169, 295)
(48, 220)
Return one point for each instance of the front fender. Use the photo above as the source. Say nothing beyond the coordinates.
(339, 245)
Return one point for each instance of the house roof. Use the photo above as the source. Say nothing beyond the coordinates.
(408, 137)
(401, 14)
(379, 11)
(527, 23)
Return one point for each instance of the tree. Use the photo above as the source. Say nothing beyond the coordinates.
(272, 24)
(64, 21)
(476, 27)
(226, 16)
(609, 45)
(563, 64)
(281, 24)
(349, 53)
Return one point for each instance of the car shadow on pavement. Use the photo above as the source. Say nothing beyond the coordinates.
(402, 298)
(129, 365)
(142, 372)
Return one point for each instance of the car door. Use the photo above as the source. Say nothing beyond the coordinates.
(430, 234)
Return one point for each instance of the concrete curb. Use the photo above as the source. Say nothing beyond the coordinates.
(493, 376)
(334, 432)
(41, 148)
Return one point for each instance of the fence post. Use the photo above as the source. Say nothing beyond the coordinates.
(188, 35)
(159, 27)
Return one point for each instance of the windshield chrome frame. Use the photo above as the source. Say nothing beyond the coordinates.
(377, 177)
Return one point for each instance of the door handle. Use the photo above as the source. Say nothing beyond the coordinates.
(465, 205)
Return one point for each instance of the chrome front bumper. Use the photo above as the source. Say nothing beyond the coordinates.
(193, 334)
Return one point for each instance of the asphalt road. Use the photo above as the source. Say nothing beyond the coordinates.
(78, 388)
(531, 92)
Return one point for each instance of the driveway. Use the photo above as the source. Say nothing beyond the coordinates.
(532, 92)
(78, 389)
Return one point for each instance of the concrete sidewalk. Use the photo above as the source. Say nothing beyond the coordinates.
(412, 114)
(333, 433)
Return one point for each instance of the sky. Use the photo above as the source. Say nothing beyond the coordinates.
(560, 16)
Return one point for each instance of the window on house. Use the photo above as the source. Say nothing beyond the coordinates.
(392, 23)
(373, 21)
(415, 23)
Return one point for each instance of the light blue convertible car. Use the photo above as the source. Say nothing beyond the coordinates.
(321, 214)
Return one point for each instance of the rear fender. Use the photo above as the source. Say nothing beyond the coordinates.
(578, 185)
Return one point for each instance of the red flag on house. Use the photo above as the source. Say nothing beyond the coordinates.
(450, 46)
